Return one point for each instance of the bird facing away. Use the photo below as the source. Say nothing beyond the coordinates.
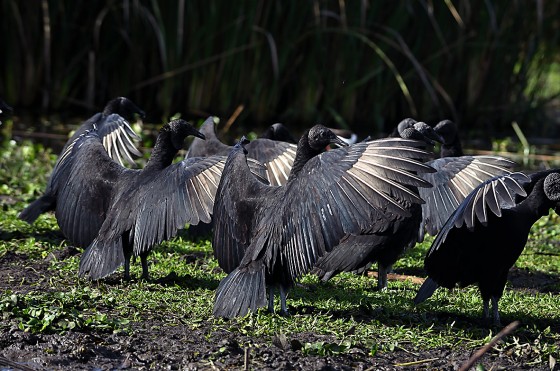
(117, 139)
(485, 236)
(142, 207)
(284, 230)
(451, 144)
(278, 132)
(116, 135)
(453, 180)
(277, 156)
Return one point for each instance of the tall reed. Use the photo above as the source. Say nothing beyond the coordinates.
(360, 64)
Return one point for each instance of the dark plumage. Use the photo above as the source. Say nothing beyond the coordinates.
(116, 136)
(277, 156)
(451, 144)
(146, 206)
(278, 233)
(453, 180)
(484, 237)
(278, 132)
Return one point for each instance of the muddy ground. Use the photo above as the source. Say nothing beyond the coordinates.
(155, 345)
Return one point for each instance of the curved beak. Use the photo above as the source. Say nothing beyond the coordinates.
(198, 134)
(339, 141)
(242, 142)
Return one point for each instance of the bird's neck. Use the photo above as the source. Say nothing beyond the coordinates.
(163, 153)
(536, 203)
(304, 153)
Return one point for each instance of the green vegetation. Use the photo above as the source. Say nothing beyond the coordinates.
(363, 64)
(347, 311)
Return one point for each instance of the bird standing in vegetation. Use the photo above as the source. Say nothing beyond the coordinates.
(141, 208)
(277, 156)
(116, 136)
(453, 180)
(485, 236)
(145, 207)
(278, 233)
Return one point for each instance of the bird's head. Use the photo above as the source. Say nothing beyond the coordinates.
(242, 143)
(429, 135)
(208, 127)
(551, 188)
(447, 129)
(124, 107)
(279, 131)
(180, 129)
(320, 136)
(418, 130)
(407, 123)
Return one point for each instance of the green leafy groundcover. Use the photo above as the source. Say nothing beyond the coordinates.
(40, 293)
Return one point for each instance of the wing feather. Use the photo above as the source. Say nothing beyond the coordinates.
(498, 193)
(455, 179)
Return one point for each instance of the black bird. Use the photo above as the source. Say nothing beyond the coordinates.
(284, 230)
(141, 207)
(451, 144)
(117, 140)
(484, 237)
(277, 156)
(278, 132)
(456, 176)
(453, 180)
(116, 135)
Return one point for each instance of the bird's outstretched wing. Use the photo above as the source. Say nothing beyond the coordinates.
(84, 177)
(238, 208)
(181, 194)
(118, 139)
(492, 196)
(344, 191)
(117, 136)
(277, 156)
(455, 178)
(350, 190)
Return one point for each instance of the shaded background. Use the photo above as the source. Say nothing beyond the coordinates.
(363, 65)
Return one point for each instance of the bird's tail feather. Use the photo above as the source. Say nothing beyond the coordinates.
(36, 208)
(242, 290)
(426, 290)
(101, 259)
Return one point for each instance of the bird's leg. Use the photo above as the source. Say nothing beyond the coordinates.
(144, 260)
(486, 309)
(495, 313)
(127, 267)
(271, 299)
(284, 307)
(382, 276)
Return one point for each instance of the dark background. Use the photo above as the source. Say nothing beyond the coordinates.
(363, 65)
